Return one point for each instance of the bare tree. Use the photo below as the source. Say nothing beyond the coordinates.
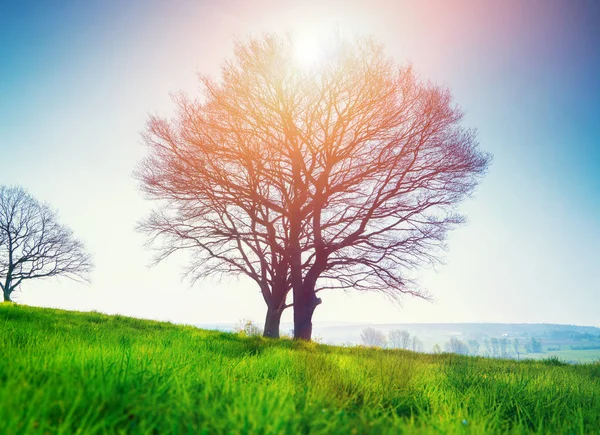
(417, 345)
(345, 176)
(504, 346)
(488, 346)
(474, 346)
(373, 337)
(33, 244)
(248, 328)
(399, 338)
(495, 346)
(457, 346)
(515, 344)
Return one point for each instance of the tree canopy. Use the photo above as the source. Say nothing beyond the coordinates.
(343, 175)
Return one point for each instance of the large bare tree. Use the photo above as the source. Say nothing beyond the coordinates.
(344, 175)
(33, 244)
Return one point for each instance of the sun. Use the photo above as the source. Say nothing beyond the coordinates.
(307, 50)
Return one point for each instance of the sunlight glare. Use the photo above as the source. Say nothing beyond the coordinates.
(307, 51)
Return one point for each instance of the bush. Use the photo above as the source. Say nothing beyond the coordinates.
(248, 328)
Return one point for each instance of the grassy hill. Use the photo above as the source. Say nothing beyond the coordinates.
(69, 372)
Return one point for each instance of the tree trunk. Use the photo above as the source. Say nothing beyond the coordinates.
(306, 300)
(304, 307)
(6, 289)
(272, 322)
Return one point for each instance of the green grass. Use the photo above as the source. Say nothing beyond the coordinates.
(579, 356)
(69, 372)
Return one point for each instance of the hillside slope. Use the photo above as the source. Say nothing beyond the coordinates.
(63, 372)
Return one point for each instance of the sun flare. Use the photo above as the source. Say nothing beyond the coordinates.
(307, 50)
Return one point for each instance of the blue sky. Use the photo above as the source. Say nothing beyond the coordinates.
(78, 80)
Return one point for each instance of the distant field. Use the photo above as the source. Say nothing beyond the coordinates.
(578, 356)
(68, 372)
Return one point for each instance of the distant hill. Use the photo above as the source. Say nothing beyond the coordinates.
(439, 333)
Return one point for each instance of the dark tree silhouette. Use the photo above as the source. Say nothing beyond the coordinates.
(345, 175)
(33, 244)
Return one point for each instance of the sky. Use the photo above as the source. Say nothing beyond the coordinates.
(78, 81)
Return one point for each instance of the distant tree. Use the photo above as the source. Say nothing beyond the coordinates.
(436, 348)
(474, 346)
(373, 337)
(515, 344)
(346, 176)
(536, 345)
(417, 345)
(503, 342)
(34, 245)
(495, 346)
(457, 346)
(488, 346)
(399, 338)
(248, 327)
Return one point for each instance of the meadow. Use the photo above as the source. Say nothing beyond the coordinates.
(72, 372)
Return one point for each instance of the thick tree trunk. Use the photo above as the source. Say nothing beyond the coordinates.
(6, 289)
(306, 300)
(304, 308)
(272, 322)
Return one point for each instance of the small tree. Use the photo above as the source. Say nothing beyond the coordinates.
(373, 337)
(488, 346)
(248, 327)
(417, 345)
(495, 346)
(399, 339)
(474, 346)
(436, 348)
(457, 346)
(33, 244)
(515, 344)
(503, 347)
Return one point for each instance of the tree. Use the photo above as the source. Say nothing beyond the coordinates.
(474, 346)
(417, 345)
(343, 176)
(399, 338)
(436, 348)
(515, 344)
(248, 328)
(457, 346)
(373, 337)
(495, 346)
(536, 345)
(33, 244)
(488, 346)
(504, 345)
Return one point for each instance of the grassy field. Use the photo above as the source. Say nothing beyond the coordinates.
(577, 356)
(69, 372)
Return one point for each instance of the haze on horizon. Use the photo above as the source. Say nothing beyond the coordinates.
(78, 80)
